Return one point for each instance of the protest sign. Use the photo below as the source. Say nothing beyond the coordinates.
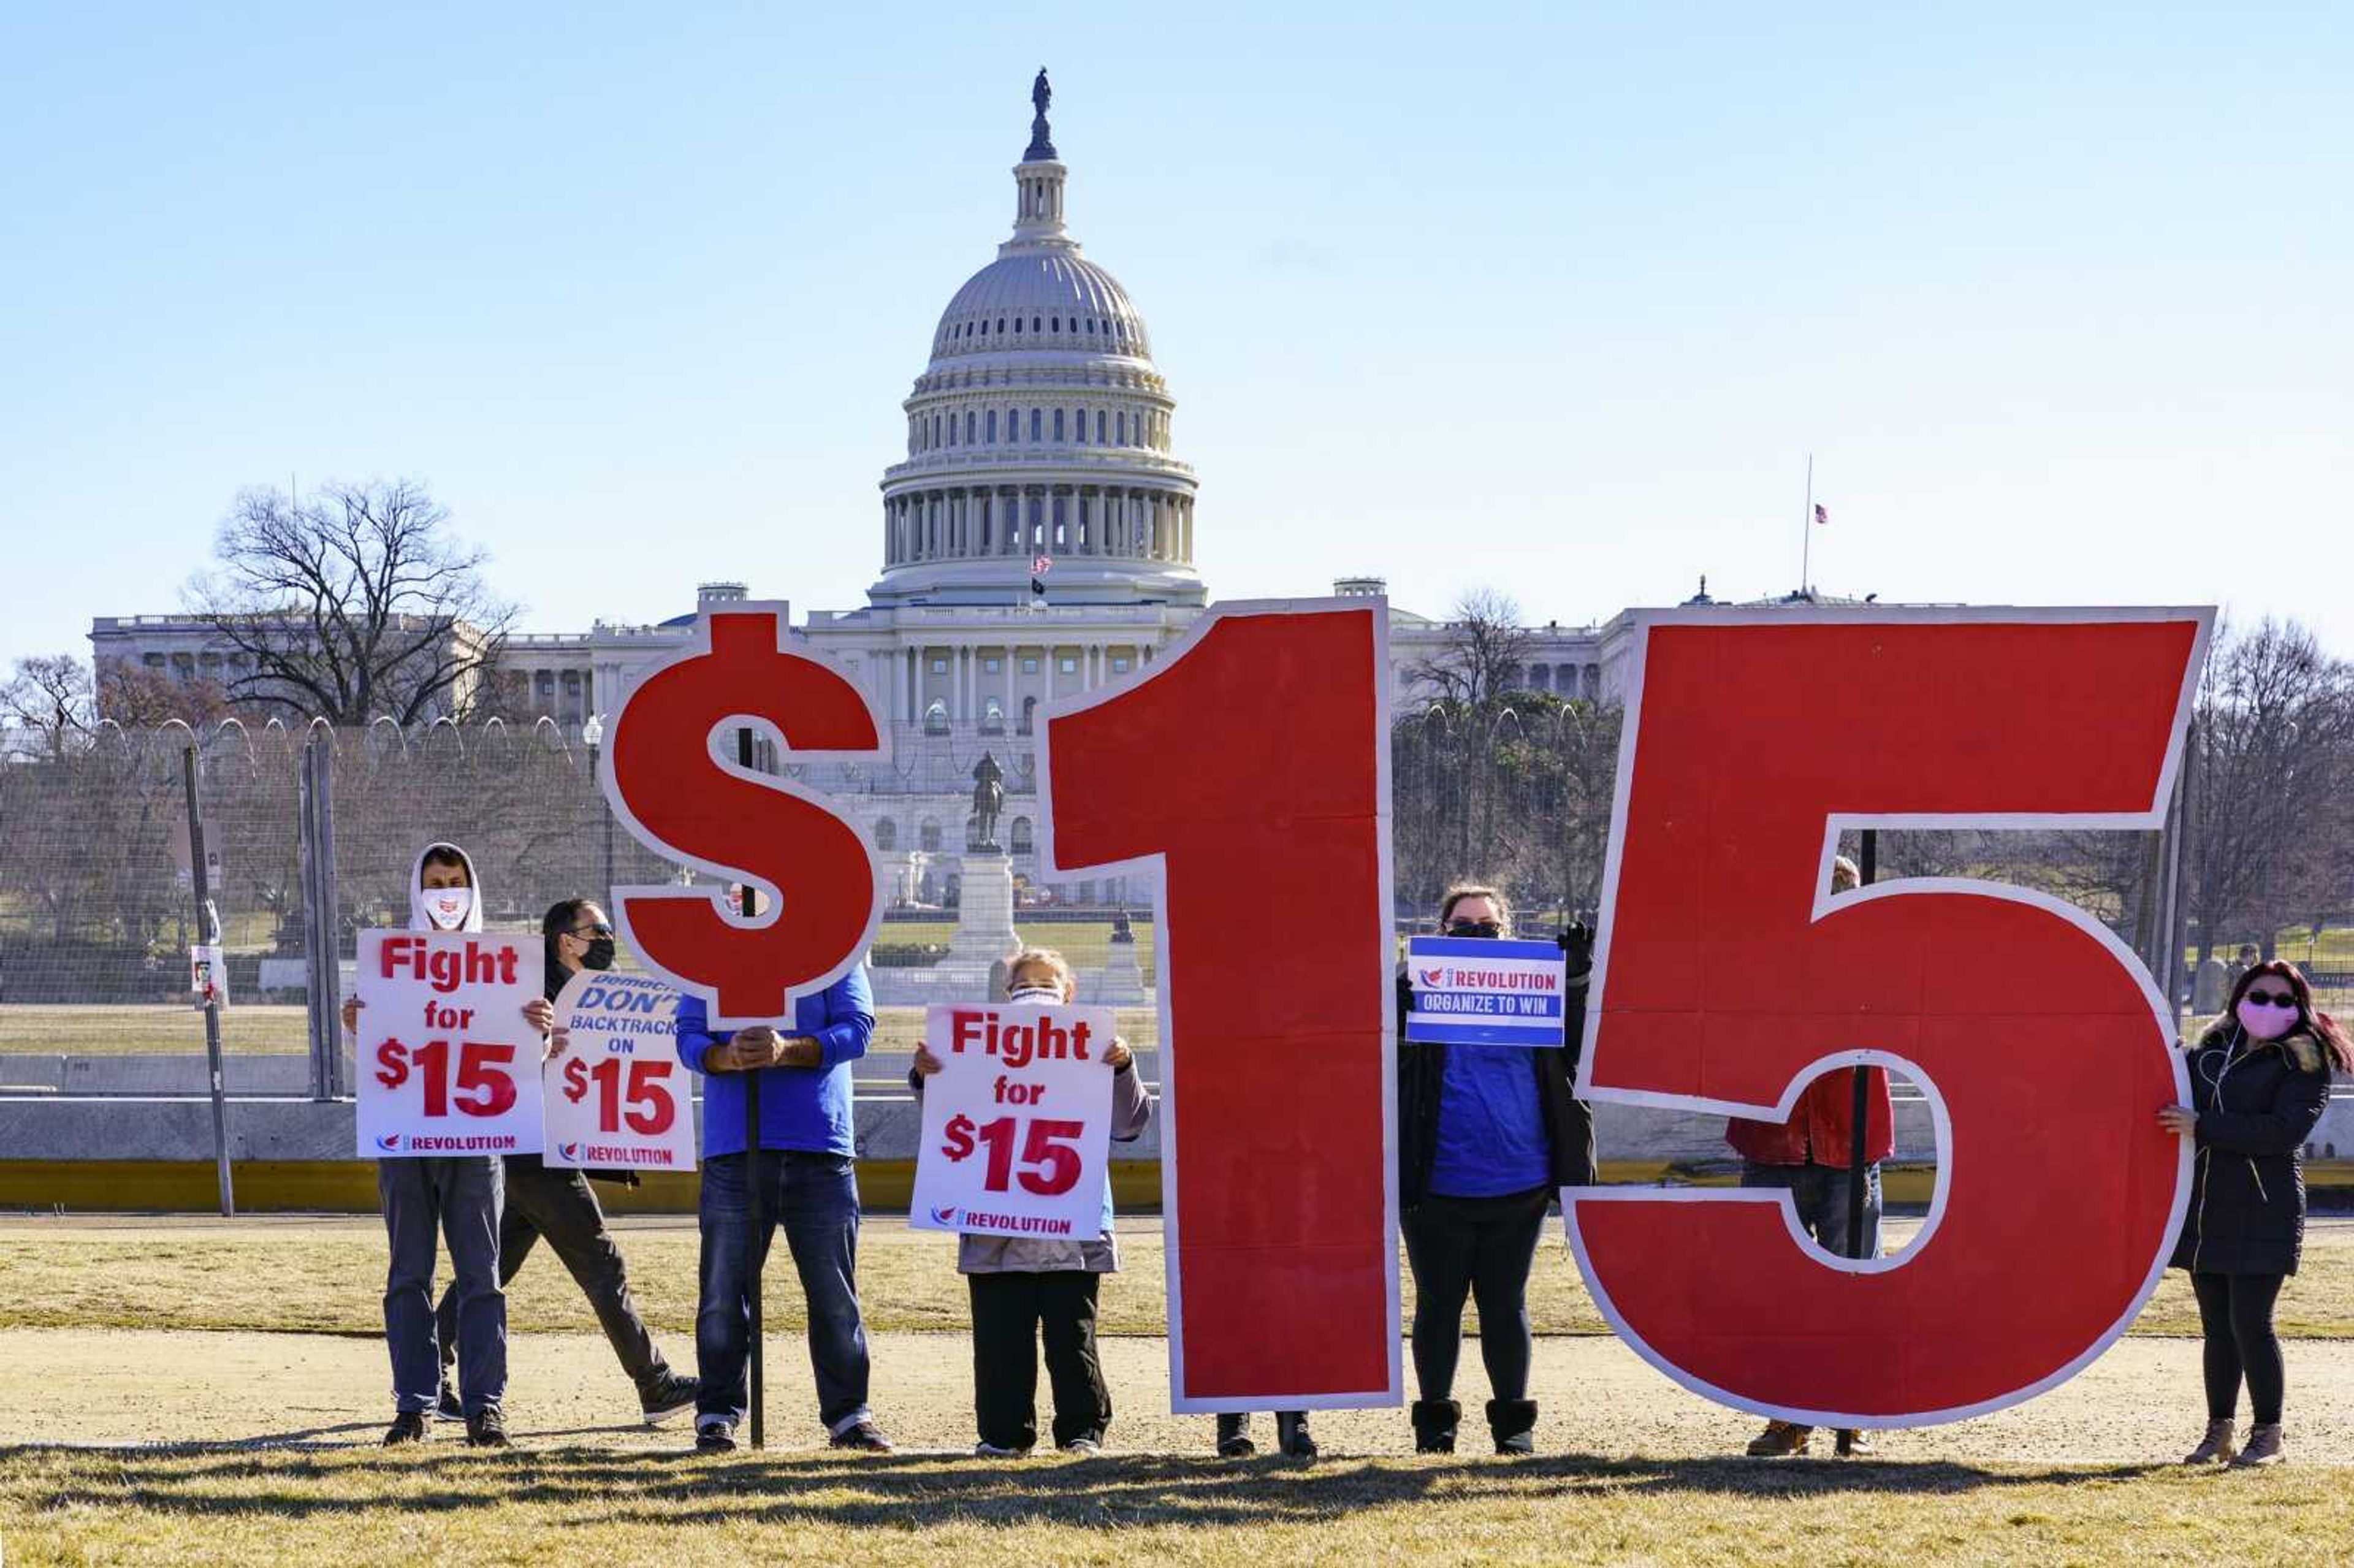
(447, 1063)
(208, 975)
(1731, 975)
(1278, 1063)
(617, 1098)
(1469, 990)
(1017, 1122)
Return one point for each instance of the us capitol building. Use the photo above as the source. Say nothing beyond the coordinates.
(1040, 428)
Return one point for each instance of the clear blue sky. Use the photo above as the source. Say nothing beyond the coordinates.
(1553, 297)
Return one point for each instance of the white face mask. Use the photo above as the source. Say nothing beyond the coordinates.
(1035, 996)
(449, 907)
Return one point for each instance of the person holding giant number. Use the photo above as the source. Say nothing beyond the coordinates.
(2259, 1083)
(1024, 1290)
(1487, 1134)
(462, 1197)
(807, 1168)
(561, 1207)
(1807, 1157)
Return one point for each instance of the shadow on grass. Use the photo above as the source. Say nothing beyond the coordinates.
(898, 1492)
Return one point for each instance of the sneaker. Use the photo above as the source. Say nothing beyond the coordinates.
(450, 1407)
(1234, 1436)
(993, 1451)
(1083, 1445)
(1853, 1443)
(674, 1395)
(1291, 1435)
(866, 1438)
(487, 1430)
(2215, 1448)
(715, 1438)
(409, 1427)
(2263, 1446)
(1780, 1440)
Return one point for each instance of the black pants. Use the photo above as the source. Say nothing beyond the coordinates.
(1482, 1247)
(2236, 1312)
(1010, 1312)
(561, 1207)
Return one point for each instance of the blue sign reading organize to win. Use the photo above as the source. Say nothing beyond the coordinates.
(1473, 992)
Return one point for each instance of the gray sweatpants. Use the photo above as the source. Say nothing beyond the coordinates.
(459, 1198)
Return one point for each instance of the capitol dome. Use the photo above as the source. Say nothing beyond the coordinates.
(1040, 428)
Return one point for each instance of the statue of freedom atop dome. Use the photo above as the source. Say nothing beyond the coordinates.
(1042, 140)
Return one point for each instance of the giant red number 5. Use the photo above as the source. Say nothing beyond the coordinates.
(1248, 771)
(1728, 979)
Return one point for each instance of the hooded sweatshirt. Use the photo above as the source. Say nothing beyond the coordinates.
(420, 914)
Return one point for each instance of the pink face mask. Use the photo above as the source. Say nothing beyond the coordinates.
(2266, 1020)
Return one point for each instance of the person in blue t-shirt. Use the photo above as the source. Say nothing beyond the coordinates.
(1487, 1134)
(809, 1184)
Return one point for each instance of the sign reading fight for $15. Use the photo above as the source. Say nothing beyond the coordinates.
(616, 1097)
(448, 1064)
(1017, 1123)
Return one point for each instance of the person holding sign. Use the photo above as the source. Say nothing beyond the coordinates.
(1807, 1157)
(2259, 1084)
(1024, 1289)
(806, 1165)
(1485, 1135)
(460, 1196)
(560, 1205)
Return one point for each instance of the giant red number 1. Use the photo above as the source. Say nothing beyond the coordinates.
(1729, 978)
(1249, 770)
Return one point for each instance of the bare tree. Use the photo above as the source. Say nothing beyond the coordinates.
(137, 698)
(1485, 649)
(354, 604)
(51, 699)
(2275, 721)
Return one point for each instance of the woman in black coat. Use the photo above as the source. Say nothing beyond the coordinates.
(2259, 1082)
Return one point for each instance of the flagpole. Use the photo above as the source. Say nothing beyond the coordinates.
(1807, 523)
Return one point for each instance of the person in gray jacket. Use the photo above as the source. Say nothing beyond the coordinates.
(1025, 1288)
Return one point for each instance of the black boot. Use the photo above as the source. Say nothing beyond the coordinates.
(1234, 1435)
(1434, 1425)
(1513, 1421)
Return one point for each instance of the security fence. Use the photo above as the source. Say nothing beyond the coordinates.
(312, 834)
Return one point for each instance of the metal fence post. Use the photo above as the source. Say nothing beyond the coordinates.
(209, 933)
(317, 820)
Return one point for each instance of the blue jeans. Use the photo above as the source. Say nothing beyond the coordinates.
(815, 1198)
(462, 1197)
(1820, 1193)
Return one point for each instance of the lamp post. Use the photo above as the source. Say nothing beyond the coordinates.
(592, 733)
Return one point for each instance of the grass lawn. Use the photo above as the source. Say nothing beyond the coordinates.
(589, 1505)
(325, 1276)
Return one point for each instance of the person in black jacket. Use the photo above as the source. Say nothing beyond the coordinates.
(560, 1205)
(1486, 1135)
(2259, 1083)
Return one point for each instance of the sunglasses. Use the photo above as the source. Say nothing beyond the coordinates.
(2267, 998)
(590, 931)
(1474, 928)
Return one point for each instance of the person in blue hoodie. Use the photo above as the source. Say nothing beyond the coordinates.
(807, 1168)
(1024, 1290)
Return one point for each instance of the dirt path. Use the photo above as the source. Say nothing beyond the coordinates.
(2139, 1402)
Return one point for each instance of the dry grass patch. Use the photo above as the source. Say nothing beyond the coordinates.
(304, 1276)
(580, 1505)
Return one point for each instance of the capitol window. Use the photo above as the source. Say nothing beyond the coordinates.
(1100, 427)
(1067, 666)
(969, 420)
(1121, 424)
(993, 426)
(887, 835)
(1030, 665)
(992, 664)
(1017, 323)
(1120, 664)
(1001, 324)
(1034, 323)
(1058, 423)
(940, 666)
(1057, 323)
(1033, 424)
(1079, 419)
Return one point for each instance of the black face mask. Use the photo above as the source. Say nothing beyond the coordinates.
(599, 955)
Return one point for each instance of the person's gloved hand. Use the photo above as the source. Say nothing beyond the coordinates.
(1577, 941)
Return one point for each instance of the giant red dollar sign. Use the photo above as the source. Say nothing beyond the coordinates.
(676, 797)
